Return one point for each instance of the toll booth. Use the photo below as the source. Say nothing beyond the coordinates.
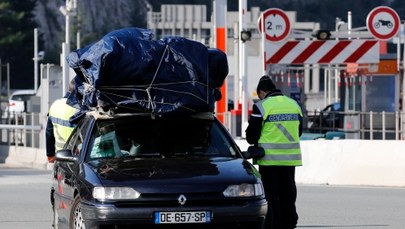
(370, 88)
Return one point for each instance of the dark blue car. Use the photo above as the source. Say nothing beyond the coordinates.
(121, 170)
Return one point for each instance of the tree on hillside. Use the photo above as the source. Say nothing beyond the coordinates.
(16, 40)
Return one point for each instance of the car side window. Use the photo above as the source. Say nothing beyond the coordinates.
(77, 147)
(76, 140)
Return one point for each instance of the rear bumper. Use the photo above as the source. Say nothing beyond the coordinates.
(108, 214)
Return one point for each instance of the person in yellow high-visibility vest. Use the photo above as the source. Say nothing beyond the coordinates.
(58, 127)
(276, 126)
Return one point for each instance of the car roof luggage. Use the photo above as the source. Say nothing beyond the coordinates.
(128, 70)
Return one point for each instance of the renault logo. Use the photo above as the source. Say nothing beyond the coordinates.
(182, 199)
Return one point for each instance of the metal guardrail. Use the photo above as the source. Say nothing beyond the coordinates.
(365, 125)
(21, 129)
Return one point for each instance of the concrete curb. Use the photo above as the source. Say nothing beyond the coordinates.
(350, 162)
(353, 162)
(25, 157)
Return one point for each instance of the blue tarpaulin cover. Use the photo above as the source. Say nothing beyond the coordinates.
(128, 69)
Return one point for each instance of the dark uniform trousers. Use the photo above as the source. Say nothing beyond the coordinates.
(281, 193)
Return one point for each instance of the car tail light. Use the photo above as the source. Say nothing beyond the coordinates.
(10, 104)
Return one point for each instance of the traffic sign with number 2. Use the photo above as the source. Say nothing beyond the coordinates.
(276, 25)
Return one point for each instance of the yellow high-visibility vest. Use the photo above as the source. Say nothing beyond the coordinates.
(60, 113)
(280, 131)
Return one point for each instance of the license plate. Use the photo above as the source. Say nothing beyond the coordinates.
(183, 217)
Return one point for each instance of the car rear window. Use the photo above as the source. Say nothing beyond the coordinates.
(146, 137)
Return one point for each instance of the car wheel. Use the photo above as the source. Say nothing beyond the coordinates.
(76, 217)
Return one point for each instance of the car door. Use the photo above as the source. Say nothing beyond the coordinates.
(66, 172)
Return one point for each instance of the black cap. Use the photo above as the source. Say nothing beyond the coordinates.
(265, 77)
(265, 84)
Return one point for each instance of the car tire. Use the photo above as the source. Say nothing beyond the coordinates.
(76, 217)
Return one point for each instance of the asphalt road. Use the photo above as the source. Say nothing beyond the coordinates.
(24, 199)
(24, 203)
(333, 207)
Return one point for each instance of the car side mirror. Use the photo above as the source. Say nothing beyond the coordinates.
(253, 152)
(65, 155)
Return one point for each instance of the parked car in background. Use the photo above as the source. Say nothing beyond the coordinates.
(328, 119)
(122, 170)
(17, 104)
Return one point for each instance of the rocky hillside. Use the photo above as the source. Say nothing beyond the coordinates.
(93, 20)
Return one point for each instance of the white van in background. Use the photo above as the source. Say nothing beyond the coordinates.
(16, 103)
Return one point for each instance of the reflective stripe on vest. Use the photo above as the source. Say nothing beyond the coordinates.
(279, 146)
(280, 137)
(59, 114)
(285, 132)
(282, 157)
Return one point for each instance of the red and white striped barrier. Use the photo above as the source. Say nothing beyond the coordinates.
(322, 52)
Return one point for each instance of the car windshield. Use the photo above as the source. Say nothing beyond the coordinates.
(144, 137)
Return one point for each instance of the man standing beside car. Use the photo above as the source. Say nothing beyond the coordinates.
(276, 125)
(58, 126)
